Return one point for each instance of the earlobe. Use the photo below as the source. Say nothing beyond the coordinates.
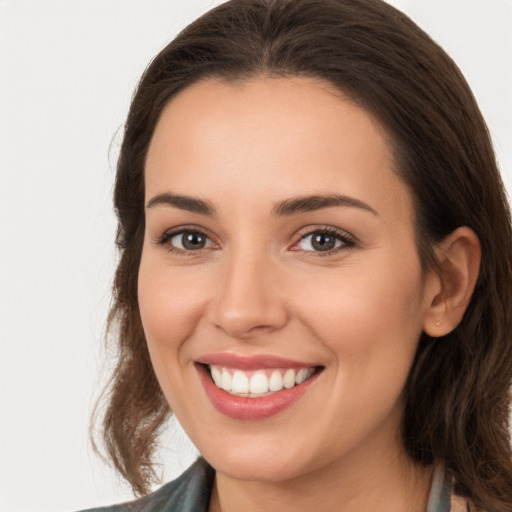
(452, 284)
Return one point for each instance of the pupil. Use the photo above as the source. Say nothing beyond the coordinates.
(323, 242)
(193, 241)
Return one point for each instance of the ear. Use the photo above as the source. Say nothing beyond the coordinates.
(450, 286)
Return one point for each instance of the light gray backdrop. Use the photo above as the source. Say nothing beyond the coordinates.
(68, 69)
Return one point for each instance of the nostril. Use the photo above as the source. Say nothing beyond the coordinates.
(246, 304)
(245, 325)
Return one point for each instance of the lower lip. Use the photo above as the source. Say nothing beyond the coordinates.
(243, 408)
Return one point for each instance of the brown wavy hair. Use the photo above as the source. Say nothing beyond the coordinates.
(457, 394)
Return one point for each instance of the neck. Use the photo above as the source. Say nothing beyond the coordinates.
(394, 484)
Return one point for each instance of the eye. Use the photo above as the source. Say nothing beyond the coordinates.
(189, 241)
(324, 241)
(185, 241)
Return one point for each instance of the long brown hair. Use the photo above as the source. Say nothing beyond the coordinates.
(457, 395)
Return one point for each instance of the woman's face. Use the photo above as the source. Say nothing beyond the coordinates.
(279, 247)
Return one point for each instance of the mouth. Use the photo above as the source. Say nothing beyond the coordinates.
(254, 388)
(258, 383)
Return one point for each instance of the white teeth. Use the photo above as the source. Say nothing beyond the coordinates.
(301, 376)
(240, 382)
(260, 382)
(275, 383)
(289, 378)
(216, 376)
(226, 381)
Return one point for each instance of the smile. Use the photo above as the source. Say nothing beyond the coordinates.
(254, 387)
(258, 383)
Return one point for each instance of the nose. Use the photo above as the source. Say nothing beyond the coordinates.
(249, 301)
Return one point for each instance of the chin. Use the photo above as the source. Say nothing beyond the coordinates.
(259, 461)
(259, 469)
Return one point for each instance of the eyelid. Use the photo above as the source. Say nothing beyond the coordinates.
(348, 240)
(168, 234)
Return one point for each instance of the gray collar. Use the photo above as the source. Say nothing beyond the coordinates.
(191, 493)
(440, 492)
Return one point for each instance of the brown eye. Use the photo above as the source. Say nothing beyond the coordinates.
(190, 241)
(323, 240)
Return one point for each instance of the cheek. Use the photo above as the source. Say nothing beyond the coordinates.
(372, 327)
(380, 297)
(170, 307)
(370, 320)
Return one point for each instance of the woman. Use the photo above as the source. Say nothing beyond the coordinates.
(315, 269)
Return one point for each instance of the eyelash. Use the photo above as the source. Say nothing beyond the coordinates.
(347, 241)
(168, 235)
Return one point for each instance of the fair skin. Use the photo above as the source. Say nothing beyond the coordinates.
(333, 285)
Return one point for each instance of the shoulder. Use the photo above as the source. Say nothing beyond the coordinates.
(188, 493)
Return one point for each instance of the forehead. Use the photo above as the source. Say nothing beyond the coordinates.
(269, 138)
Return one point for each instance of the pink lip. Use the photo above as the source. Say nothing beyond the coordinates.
(244, 408)
(251, 362)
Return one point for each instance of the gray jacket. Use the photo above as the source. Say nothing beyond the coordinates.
(191, 493)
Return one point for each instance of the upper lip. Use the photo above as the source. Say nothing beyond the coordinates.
(255, 362)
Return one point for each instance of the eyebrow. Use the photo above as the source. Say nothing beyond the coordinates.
(284, 208)
(190, 204)
(317, 202)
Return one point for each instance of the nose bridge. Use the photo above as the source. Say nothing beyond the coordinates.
(248, 301)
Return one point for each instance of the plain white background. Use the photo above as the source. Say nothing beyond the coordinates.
(68, 69)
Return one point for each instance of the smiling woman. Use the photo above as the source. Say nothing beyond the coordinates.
(315, 271)
(286, 281)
